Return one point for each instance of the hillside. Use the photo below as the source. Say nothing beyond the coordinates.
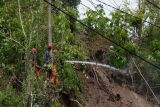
(106, 87)
(52, 57)
(103, 93)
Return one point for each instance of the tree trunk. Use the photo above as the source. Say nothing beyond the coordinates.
(50, 28)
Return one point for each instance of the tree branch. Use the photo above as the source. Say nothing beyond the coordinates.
(146, 81)
(20, 17)
(13, 41)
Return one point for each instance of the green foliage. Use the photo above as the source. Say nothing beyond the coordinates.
(64, 40)
(70, 82)
(129, 32)
(117, 57)
(96, 20)
(70, 3)
(9, 98)
(68, 50)
(56, 103)
(135, 21)
(120, 26)
(13, 55)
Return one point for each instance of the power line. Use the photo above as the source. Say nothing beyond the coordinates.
(139, 71)
(115, 3)
(98, 14)
(153, 4)
(111, 3)
(93, 4)
(130, 52)
(126, 13)
(88, 8)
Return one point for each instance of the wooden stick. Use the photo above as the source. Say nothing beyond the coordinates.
(146, 81)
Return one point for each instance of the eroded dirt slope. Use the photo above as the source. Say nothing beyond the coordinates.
(102, 87)
(100, 90)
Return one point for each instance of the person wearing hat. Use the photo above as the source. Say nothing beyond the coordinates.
(35, 64)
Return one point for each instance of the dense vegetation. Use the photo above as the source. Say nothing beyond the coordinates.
(23, 25)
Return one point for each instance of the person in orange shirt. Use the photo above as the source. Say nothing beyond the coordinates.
(37, 68)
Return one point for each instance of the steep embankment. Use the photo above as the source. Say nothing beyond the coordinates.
(103, 87)
(100, 90)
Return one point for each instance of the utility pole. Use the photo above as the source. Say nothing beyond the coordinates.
(50, 28)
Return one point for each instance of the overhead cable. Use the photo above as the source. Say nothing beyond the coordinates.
(112, 41)
(126, 13)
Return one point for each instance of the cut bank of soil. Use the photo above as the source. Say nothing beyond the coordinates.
(103, 92)
(101, 88)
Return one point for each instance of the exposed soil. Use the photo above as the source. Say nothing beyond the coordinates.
(103, 91)
(96, 46)
(103, 87)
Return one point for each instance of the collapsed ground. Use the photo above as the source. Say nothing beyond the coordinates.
(108, 88)
(101, 90)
